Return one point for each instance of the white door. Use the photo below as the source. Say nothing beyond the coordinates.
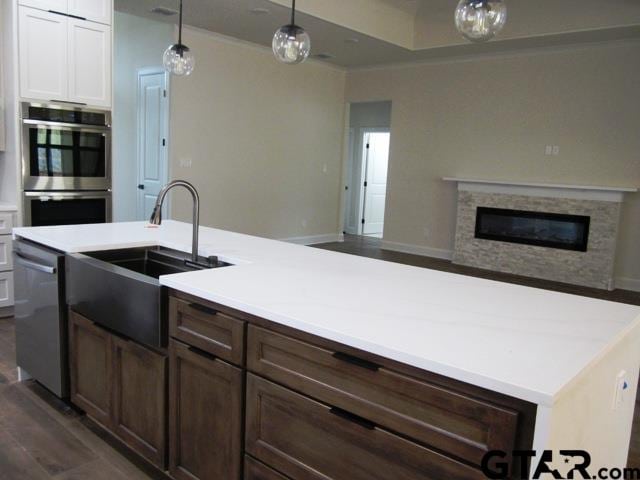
(94, 10)
(89, 63)
(152, 138)
(375, 190)
(43, 54)
(56, 5)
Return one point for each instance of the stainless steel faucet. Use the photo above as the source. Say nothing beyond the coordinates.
(156, 216)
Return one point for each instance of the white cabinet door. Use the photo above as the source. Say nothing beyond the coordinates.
(6, 258)
(56, 5)
(94, 10)
(6, 289)
(43, 54)
(89, 63)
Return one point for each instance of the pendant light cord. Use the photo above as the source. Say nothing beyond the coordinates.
(180, 26)
(293, 12)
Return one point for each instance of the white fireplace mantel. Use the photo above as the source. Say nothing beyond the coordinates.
(581, 192)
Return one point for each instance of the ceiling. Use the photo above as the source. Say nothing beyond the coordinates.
(361, 33)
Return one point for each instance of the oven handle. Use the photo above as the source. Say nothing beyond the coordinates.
(26, 262)
(68, 126)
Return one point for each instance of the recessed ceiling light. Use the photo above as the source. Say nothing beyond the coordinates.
(352, 40)
(259, 11)
(323, 56)
(167, 12)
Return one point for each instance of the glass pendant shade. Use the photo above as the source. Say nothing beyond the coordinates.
(291, 44)
(178, 60)
(480, 20)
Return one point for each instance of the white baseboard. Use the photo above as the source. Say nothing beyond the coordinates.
(417, 250)
(315, 239)
(632, 284)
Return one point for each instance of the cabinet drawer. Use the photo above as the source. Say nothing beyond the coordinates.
(6, 259)
(450, 421)
(6, 289)
(6, 223)
(308, 440)
(254, 470)
(207, 329)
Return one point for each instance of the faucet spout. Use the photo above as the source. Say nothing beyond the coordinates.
(156, 216)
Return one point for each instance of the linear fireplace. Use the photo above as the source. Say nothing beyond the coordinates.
(565, 232)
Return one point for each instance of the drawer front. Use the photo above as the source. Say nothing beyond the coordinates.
(207, 329)
(308, 440)
(6, 289)
(254, 470)
(6, 223)
(6, 258)
(449, 421)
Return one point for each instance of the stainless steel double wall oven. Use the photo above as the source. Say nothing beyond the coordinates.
(66, 164)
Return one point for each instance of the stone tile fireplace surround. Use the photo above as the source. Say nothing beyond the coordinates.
(591, 268)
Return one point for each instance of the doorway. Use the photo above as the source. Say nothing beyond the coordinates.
(373, 195)
(367, 162)
(152, 138)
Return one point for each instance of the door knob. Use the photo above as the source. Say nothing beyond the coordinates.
(140, 187)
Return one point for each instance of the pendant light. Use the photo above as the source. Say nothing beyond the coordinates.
(480, 20)
(178, 59)
(291, 44)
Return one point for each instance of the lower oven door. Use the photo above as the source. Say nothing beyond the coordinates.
(66, 208)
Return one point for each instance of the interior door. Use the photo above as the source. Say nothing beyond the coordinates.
(375, 194)
(152, 139)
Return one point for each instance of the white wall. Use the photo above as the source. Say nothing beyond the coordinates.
(138, 43)
(264, 140)
(492, 117)
(361, 116)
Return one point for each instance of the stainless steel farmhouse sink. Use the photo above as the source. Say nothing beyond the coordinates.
(120, 290)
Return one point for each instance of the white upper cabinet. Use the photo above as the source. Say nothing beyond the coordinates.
(55, 5)
(63, 58)
(43, 55)
(95, 10)
(89, 63)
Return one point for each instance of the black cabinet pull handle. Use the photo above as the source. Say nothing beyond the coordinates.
(55, 12)
(203, 309)
(358, 362)
(202, 353)
(350, 417)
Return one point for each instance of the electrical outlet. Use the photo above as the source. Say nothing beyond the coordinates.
(548, 150)
(555, 150)
(186, 162)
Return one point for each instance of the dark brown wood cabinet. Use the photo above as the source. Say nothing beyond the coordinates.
(90, 366)
(255, 470)
(309, 440)
(206, 413)
(139, 399)
(452, 421)
(207, 327)
(121, 385)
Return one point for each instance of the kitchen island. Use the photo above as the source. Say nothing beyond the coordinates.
(501, 365)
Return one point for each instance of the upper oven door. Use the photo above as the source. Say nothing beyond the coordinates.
(64, 156)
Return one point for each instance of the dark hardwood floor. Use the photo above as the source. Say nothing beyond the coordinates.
(371, 247)
(42, 438)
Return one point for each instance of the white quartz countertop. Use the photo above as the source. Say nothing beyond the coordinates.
(528, 343)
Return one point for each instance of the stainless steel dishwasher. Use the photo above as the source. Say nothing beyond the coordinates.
(41, 337)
